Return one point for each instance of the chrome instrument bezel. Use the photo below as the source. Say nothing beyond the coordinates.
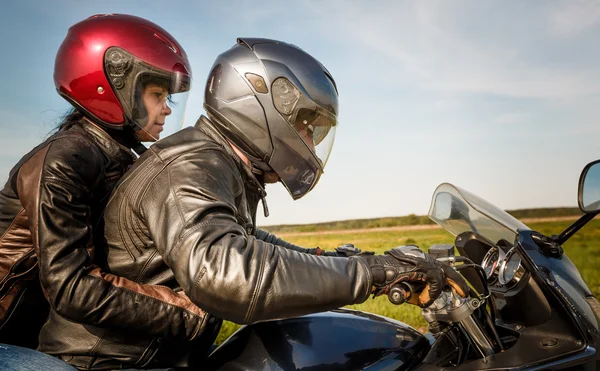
(487, 259)
(519, 272)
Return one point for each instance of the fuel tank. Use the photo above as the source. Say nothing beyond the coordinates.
(336, 340)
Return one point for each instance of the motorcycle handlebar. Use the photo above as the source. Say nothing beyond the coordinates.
(402, 292)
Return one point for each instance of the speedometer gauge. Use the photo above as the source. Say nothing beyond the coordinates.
(511, 270)
(491, 263)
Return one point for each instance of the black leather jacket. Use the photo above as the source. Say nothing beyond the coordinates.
(184, 217)
(52, 204)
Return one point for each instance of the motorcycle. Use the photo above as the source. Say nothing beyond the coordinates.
(529, 307)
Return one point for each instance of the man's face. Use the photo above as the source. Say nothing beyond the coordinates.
(306, 134)
(270, 177)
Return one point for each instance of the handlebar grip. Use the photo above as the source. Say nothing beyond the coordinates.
(399, 293)
(402, 292)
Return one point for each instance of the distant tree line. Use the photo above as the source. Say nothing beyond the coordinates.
(411, 219)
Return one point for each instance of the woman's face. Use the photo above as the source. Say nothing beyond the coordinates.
(154, 98)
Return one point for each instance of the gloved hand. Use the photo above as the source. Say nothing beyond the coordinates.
(345, 250)
(411, 265)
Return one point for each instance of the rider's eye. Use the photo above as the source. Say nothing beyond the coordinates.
(170, 101)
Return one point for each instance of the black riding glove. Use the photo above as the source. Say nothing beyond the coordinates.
(345, 250)
(411, 265)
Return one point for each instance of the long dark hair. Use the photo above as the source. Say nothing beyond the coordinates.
(72, 117)
(125, 137)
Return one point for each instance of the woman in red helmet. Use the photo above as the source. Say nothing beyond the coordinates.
(122, 74)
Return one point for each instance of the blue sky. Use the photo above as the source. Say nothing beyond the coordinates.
(499, 97)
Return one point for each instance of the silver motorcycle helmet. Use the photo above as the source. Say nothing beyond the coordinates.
(277, 104)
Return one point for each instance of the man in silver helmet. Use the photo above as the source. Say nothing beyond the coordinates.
(184, 216)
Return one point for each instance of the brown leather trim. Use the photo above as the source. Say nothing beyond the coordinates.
(16, 220)
(25, 270)
(28, 188)
(161, 293)
(15, 244)
(17, 263)
(7, 305)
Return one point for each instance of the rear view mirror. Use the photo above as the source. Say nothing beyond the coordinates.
(589, 188)
(449, 207)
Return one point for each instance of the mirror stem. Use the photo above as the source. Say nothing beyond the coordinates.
(573, 228)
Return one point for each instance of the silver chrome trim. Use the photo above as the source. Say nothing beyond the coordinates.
(487, 259)
(512, 281)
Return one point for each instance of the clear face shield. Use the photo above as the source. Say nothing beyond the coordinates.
(157, 112)
(153, 99)
(317, 129)
(300, 163)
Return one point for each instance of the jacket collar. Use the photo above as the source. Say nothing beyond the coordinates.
(110, 146)
(207, 127)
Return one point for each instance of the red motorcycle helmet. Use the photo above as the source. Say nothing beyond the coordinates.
(104, 60)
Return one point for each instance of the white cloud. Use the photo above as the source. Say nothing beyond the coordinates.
(440, 47)
(491, 95)
(572, 17)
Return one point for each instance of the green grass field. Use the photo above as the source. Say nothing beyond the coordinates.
(583, 249)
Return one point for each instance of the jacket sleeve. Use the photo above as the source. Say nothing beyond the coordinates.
(271, 238)
(56, 187)
(227, 272)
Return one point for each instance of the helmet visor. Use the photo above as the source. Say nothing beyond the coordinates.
(300, 163)
(158, 112)
(316, 127)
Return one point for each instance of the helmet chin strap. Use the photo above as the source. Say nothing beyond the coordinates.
(133, 142)
(139, 127)
(150, 135)
(259, 166)
(138, 147)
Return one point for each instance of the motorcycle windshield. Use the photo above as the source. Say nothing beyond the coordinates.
(457, 211)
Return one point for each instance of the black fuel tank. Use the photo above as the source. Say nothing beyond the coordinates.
(336, 340)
